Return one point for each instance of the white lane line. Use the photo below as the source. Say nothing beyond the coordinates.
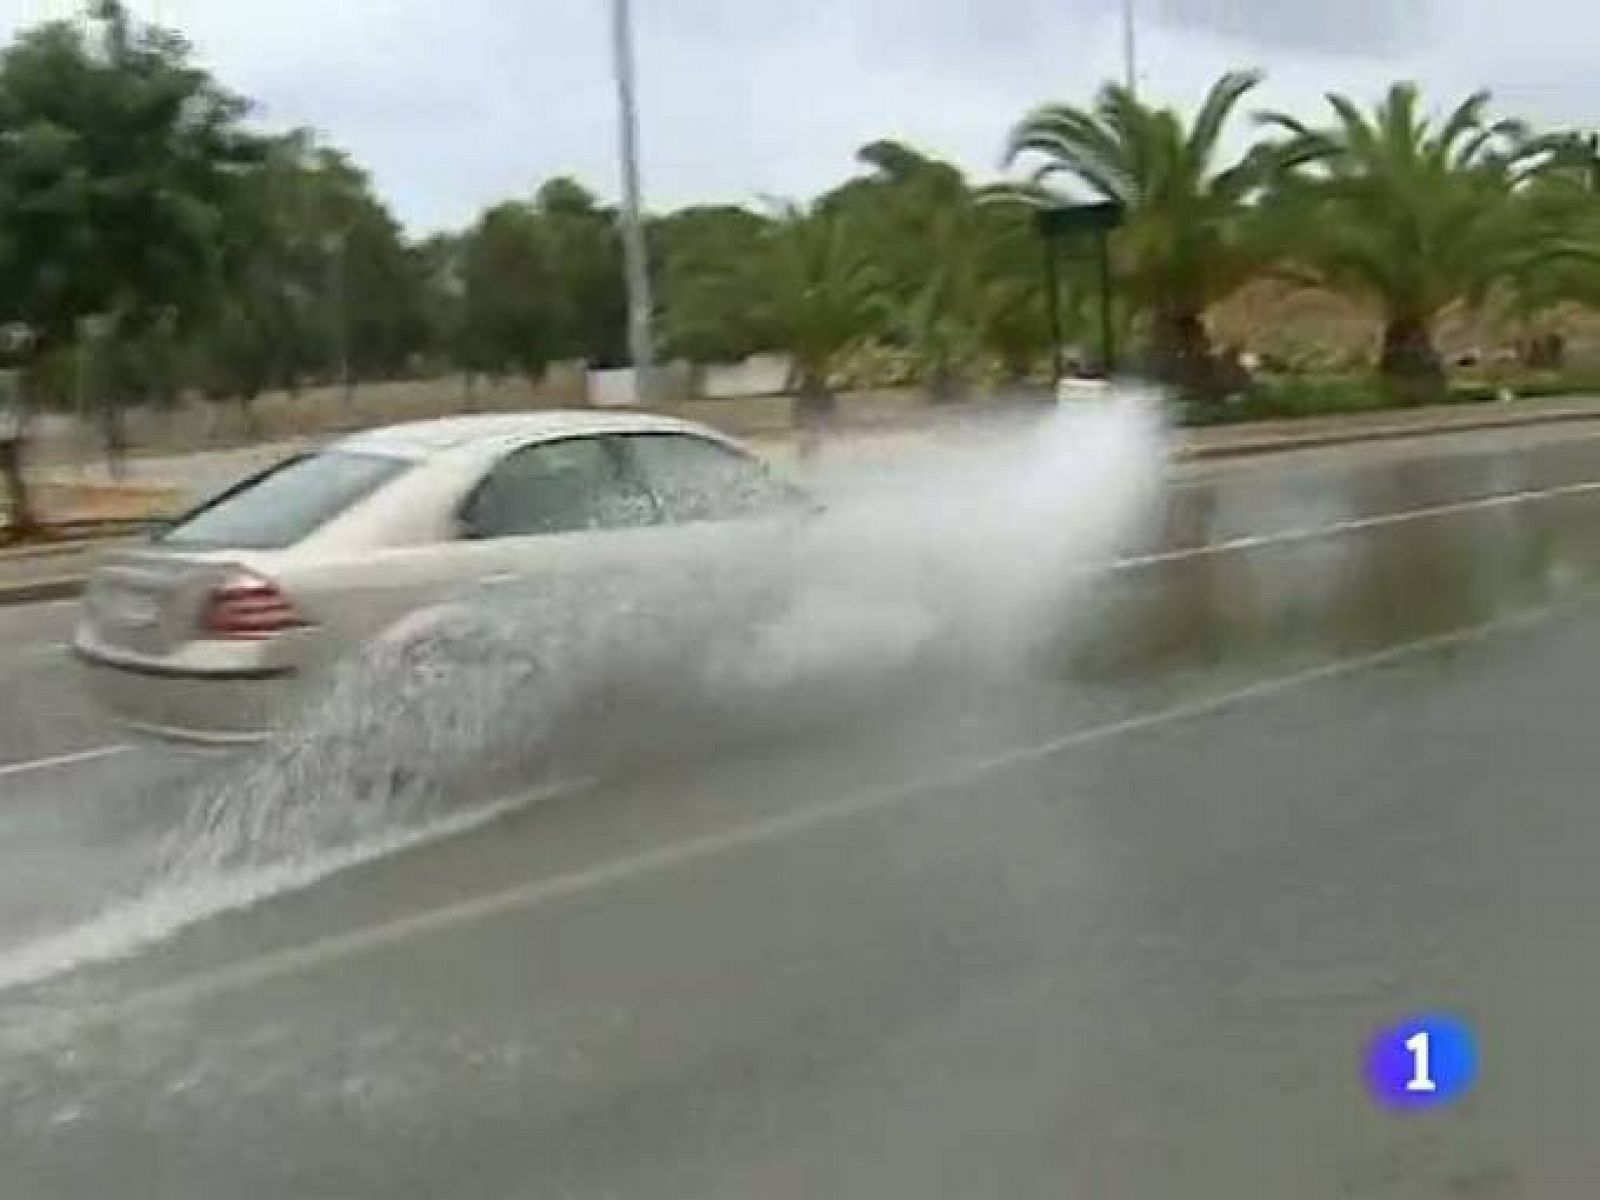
(249, 973)
(9, 770)
(1357, 525)
(42, 651)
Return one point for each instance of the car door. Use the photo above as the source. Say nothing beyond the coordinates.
(730, 518)
(698, 481)
(555, 515)
(543, 519)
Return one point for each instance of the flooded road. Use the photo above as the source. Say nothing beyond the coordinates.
(1318, 751)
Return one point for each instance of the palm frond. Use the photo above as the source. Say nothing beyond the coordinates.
(1215, 110)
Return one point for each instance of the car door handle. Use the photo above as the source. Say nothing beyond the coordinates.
(497, 578)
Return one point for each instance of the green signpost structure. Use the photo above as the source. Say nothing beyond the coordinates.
(1076, 221)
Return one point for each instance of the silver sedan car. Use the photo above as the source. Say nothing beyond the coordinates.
(220, 625)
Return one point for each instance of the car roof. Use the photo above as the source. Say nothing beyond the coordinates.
(425, 439)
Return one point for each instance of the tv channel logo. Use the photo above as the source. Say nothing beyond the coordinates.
(1425, 1061)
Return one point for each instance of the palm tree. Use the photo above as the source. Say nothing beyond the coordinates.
(941, 321)
(1562, 202)
(810, 289)
(959, 273)
(927, 241)
(1186, 242)
(1410, 214)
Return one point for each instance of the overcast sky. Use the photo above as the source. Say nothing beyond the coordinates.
(453, 104)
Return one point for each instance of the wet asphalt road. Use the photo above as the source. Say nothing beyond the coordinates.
(1322, 752)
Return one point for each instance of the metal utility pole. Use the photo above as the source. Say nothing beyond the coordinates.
(635, 262)
(1108, 345)
(1077, 221)
(1130, 45)
(1052, 301)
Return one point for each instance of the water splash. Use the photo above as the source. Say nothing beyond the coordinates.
(952, 555)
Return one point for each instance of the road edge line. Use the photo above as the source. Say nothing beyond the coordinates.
(51, 761)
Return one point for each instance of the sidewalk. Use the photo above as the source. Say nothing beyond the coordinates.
(41, 573)
(1264, 437)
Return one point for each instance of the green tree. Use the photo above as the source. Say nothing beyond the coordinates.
(264, 326)
(371, 283)
(1013, 308)
(1188, 240)
(822, 291)
(926, 232)
(961, 275)
(903, 204)
(514, 314)
(705, 316)
(316, 280)
(1411, 214)
(441, 261)
(120, 158)
(1562, 206)
(809, 289)
(586, 259)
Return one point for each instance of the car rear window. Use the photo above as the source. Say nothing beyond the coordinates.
(285, 503)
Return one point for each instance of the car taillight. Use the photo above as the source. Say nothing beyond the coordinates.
(247, 606)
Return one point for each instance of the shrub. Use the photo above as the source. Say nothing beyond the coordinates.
(1287, 397)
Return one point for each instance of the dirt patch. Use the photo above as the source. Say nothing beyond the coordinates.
(62, 503)
(67, 512)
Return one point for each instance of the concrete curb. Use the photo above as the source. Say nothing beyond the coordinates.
(61, 549)
(41, 591)
(1384, 433)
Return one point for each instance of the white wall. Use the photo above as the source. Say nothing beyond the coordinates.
(759, 375)
(613, 389)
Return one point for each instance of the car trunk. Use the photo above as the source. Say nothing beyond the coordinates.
(146, 601)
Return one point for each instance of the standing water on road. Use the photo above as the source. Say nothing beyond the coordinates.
(929, 564)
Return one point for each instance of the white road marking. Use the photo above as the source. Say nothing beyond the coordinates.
(1356, 525)
(8, 770)
(43, 651)
(249, 973)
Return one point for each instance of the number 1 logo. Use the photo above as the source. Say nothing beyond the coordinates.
(1423, 1062)
(1420, 1045)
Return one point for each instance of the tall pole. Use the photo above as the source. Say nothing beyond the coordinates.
(1052, 300)
(635, 263)
(1108, 348)
(1130, 45)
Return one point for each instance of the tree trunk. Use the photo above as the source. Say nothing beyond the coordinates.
(22, 520)
(944, 386)
(815, 407)
(247, 414)
(1410, 363)
(1181, 350)
(114, 433)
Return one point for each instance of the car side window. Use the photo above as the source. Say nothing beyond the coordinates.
(697, 479)
(557, 487)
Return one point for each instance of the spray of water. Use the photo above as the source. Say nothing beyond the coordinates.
(953, 557)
